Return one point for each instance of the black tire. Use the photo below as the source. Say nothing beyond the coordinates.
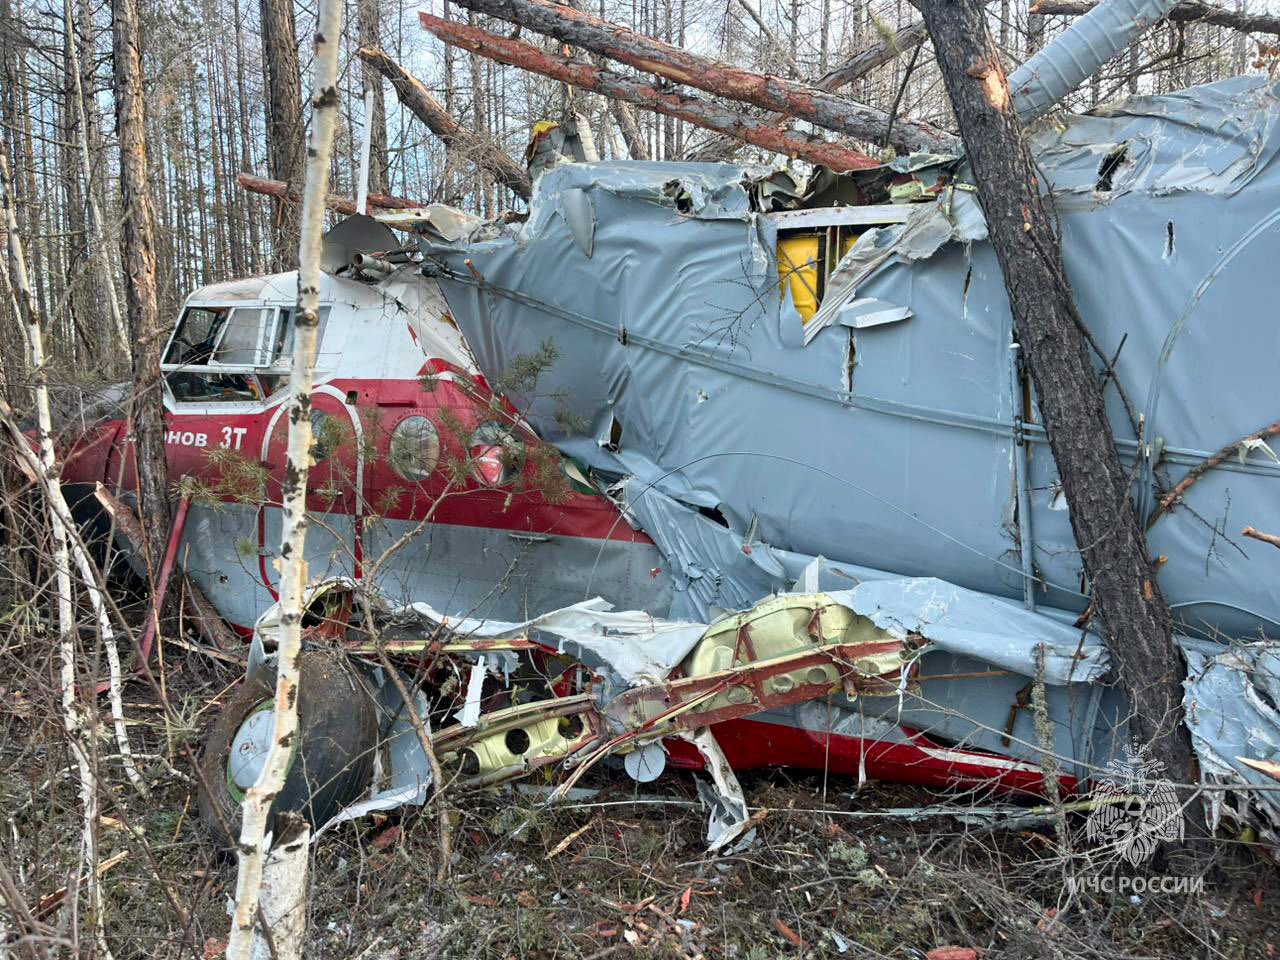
(333, 763)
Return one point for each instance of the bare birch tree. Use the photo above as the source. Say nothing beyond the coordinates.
(293, 567)
(73, 719)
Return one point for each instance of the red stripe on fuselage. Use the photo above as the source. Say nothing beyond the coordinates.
(455, 404)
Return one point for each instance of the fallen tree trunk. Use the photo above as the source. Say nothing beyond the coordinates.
(682, 106)
(795, 99)
(476, 147)
(857, 66)
(1137, 625)
(344, 205)
(1189, 11)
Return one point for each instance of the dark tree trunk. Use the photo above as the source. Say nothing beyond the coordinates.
(138, 254)
(284, 120)
(368, 16)
(1137, 626)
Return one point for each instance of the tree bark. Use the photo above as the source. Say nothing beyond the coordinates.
(284, 119)
(293, 564)
(75, 724)
(285, 882)
(480, 149)
(343, 205)
(629, 129)
(790, 97)
(905, 39)
(1189, 11)
(368, 14)
(1136, 620)
(146, 334)
(692, 109)
(856, 67)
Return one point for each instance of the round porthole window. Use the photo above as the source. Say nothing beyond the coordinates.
(496, 453)
(415, 448)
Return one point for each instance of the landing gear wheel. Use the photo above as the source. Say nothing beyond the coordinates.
(331, 765)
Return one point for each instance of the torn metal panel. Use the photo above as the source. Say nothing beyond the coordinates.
(636, 646)
(725, 802)
(1231, 710)
(980, 626)
(896, 678)
(909, 447)
(1214, 139)
(955, 215)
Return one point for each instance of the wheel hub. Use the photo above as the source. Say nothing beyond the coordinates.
(250, 746)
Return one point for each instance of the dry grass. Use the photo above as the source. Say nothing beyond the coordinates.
(621, 874)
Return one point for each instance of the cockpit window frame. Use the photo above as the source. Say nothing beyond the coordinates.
(269, 339)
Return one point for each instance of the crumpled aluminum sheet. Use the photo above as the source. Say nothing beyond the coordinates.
(892, 447)
(1232, 703)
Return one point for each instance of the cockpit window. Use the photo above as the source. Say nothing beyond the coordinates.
(196, 334)
(241, 341)
(238, 354)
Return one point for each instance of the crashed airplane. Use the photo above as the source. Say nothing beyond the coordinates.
(773, 488)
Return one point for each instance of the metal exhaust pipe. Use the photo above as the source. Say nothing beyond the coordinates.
(1098, 37)
(372, 265)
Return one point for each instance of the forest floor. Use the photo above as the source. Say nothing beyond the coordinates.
(621, 873)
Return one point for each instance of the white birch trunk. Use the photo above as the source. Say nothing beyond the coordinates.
(284, 893)
(61, 515)
(293, 570)
(72, 719)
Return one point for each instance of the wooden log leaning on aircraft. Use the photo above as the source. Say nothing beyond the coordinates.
(343, 205)
(482, 150)
(683, 106)
(859, 65)
(1189, 11)
(803, 101)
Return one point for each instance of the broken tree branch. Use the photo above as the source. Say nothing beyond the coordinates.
(682, 106)
(1189, 11)
(344, 205)
(426, 108)
(1204, 466)
(629, 129)
(909, 37)
(1255, 534)
(779, 47)
(792, 98)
